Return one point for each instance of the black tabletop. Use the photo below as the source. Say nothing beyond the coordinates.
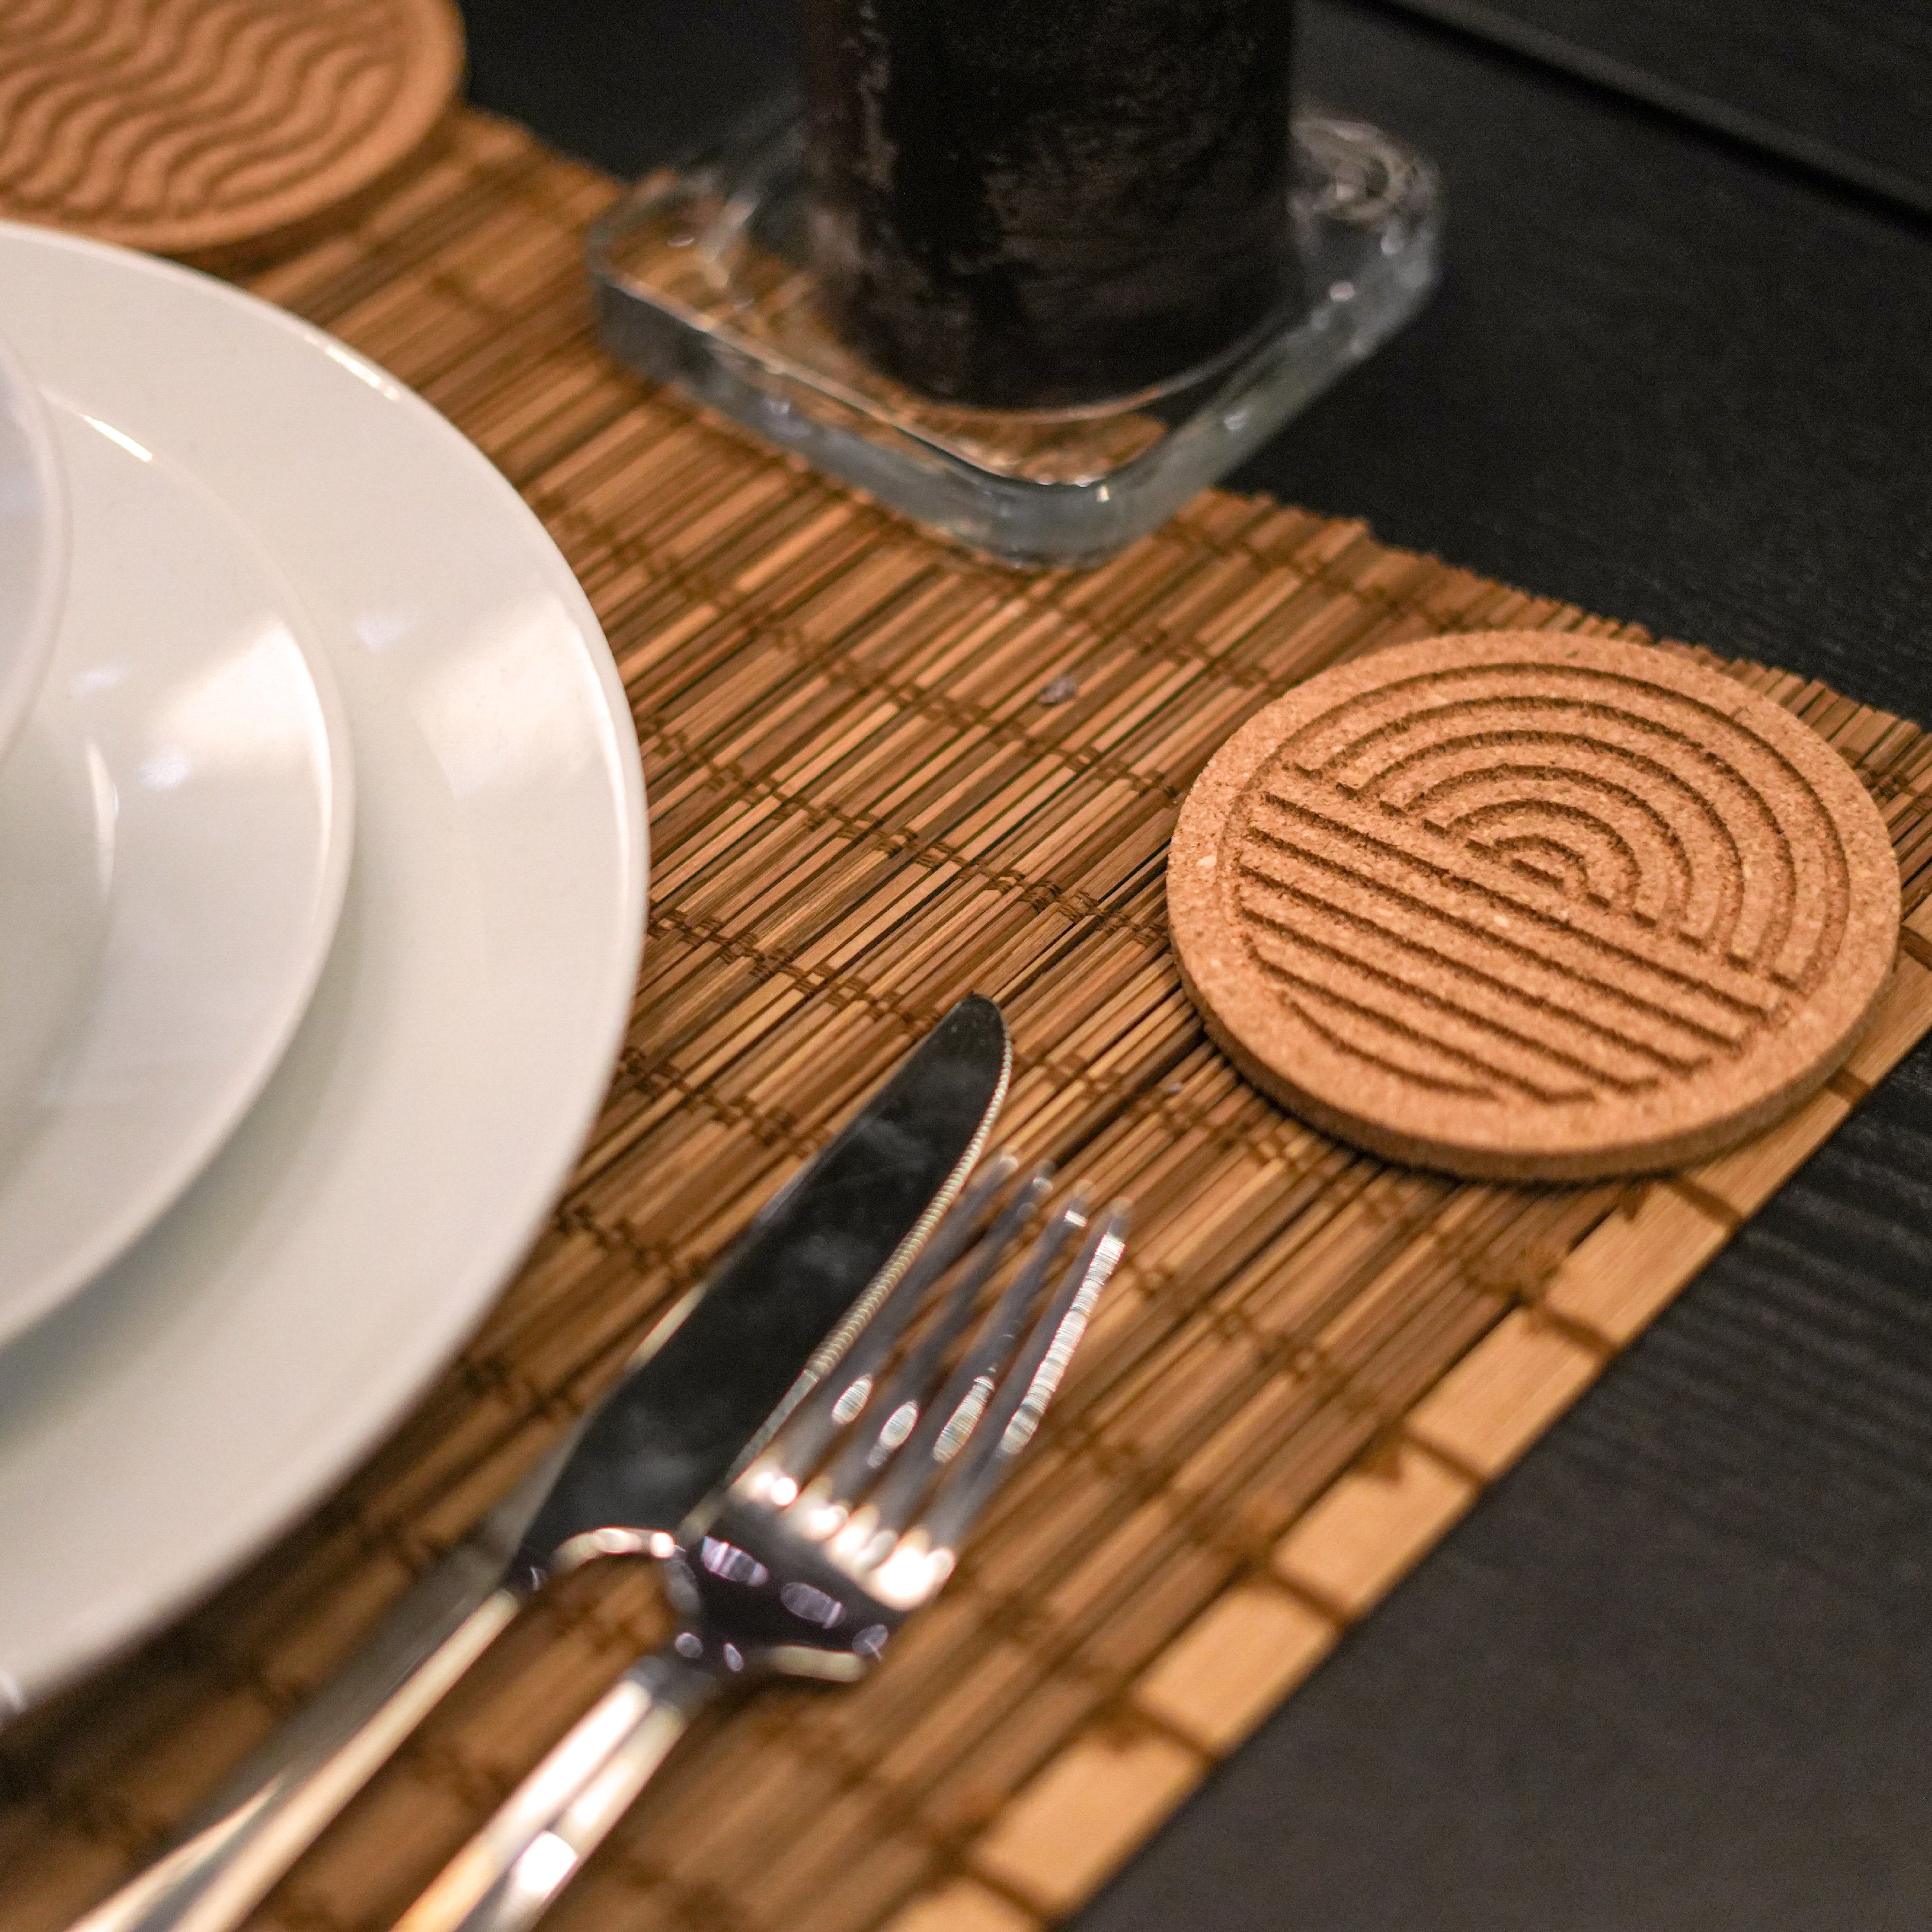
(1675, 1671)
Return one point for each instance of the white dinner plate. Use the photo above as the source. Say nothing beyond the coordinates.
(174, 841)
(164, 1425)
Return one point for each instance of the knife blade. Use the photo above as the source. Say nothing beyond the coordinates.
(696, 1401)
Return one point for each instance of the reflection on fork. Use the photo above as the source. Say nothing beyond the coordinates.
(850, 1520)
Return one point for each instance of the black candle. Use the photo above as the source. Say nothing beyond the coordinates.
(1034, 202)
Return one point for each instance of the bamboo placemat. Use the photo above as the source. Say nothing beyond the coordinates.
(864, 804)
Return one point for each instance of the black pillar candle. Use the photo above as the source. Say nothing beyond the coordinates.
(1034, 202)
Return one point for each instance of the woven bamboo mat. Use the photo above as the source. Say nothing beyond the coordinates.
(863, 807)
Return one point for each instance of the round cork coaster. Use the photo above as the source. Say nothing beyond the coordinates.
(214, 129)
(1532, 907)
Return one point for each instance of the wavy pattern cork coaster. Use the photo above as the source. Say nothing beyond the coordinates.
(882, 773)
(216, 130)
(1533, 908)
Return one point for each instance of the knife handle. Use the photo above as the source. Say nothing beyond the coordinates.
(507, 1875)
(212, 1882)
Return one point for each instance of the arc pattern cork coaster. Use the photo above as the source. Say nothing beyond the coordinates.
(214, 129)
(1532, 907)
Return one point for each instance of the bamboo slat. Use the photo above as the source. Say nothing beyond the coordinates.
(871, 792)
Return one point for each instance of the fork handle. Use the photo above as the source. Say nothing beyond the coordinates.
(212, 1882)
(506, 1876)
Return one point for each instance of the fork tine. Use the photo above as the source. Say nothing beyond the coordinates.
(903, 1402)
(845, 1392)
(951, 1418)
(1011, 1419)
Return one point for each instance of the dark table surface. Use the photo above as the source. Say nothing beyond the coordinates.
(1675, 1671)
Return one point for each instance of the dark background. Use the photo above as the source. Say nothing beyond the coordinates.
(1676, 1670)
(1841, 84)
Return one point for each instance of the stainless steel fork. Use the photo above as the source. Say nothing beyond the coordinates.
(850, 1518)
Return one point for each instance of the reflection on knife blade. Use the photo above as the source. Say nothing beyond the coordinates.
(697, 1398)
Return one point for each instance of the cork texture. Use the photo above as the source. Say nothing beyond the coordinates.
(214, 130)
(1533, 908)
(1309, 1365)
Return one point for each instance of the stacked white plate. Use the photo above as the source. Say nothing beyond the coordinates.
(322, 886)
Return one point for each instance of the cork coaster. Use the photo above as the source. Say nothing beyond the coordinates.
(215, 129)
(1532, 907)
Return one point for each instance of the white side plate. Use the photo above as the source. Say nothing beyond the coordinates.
(161, 1427)
(174, 841)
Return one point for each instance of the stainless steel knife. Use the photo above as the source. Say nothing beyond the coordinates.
(698, 1398)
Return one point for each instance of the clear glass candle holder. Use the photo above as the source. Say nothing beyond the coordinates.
(702, 281)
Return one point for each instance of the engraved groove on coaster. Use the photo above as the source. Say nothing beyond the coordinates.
(1528, 906)
(211, 128)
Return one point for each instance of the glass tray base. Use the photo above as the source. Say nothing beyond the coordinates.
(700, 280)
